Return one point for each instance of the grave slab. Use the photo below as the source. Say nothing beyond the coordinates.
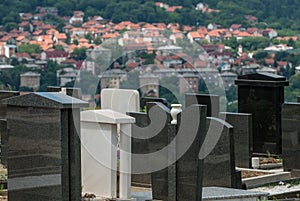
(44, 147)
(243, 139)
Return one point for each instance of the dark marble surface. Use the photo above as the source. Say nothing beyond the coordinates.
(262, 95)
(139, 145)
(46, 100)
(160, 179)
(4, 141)
(4, 95)
(219, 165)
(189, 169)
(242, 132)
(144, 101)
(211, 101)
(291, 136)
(44, 153)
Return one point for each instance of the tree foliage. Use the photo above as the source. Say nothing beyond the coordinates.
(279, 14)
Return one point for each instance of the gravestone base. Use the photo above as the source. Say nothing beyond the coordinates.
(131, 199)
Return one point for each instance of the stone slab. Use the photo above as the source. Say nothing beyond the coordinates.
(120, 100)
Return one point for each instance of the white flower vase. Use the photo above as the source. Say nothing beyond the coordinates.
(176, 109)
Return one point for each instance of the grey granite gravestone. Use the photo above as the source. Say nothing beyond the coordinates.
(242, 132)
(44, 154)
(212, 102)
(262, 95)
(139, 145)
(189, 169)
(291, 136)
(70, 91)
(3, 111)
(219, 164)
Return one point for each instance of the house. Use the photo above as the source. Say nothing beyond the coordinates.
(213, 26)
(30, 80)
(228, 79)
(234, 27)
(77, 17)
(173, 8)
(195, 36)
(269, 33)
(188, 82)
(56, 55)
(67, 75)
(25, 26)
(149, 84)
(112, 78)
(215, 35)
(176, 36)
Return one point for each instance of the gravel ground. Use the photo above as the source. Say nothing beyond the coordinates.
(280, 188)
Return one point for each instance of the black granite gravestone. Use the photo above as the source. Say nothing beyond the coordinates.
(181, 180)
(139, 145)
(212, 102)
(4, 95)
(242, 132)
(44, 153)
(145, 100)
(262, 95)
(3, 131)
(163, 181)
(189, 169)
(291, 136)
(219, 164)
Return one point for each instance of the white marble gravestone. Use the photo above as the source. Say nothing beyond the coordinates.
(99, 139)
(120, 100)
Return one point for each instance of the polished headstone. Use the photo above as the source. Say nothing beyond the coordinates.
(291, 136)
(262, 95)
(242, 132)
(219, 164)
(4, 141)
(144, 100)
(44, 147)
(164, 180)
(190, 135)
(212, 102)
(120, 100)
(139, 144)
(4, 95)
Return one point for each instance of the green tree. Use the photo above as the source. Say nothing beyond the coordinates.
(79, 53)
(30, 48)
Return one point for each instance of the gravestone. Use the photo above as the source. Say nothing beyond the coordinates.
(298, 99)
(140, 145)
(70, 91)
(4, 95)
(181, 179)
(219, 163)
(211, 101)
(120, 100)
(99, 152)
(3, 130)
(44, 147)
(144, 100)
(262, 95)
(164, 180)
(189, 169)
(242, 132)
(291, 136)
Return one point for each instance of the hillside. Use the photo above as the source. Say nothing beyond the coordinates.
(279, 14)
